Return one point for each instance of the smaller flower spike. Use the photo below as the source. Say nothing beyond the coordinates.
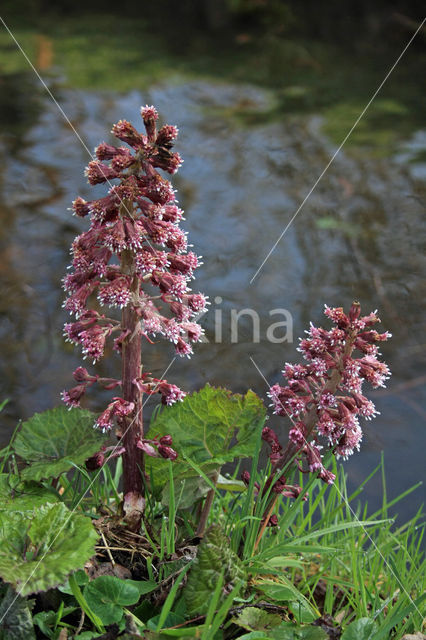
(134, 245)
(323, 398)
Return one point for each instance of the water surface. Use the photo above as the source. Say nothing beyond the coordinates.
(250, 160)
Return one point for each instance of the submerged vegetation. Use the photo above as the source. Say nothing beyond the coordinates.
(112, 529)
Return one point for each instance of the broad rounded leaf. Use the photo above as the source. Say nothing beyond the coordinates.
(52, 441)
(255, 619)
(361, 629)
(107, 595)
(16, 495)
(214, 556)
(210, 427)
(39, 549)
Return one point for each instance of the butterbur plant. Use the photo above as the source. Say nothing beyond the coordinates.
(133, 257)
(324, 398)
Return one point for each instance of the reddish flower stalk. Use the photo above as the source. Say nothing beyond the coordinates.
(134, 245)
(323, 398)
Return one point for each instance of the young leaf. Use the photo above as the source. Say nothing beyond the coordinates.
(52, 441)
(39, 549)
(214, 556)
(210, 427)
(15, 616)
(107, 595)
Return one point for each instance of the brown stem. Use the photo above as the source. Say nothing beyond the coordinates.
(266, 519)
(206, 508)
(131, 369)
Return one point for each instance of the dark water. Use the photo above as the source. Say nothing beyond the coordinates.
(359, 236)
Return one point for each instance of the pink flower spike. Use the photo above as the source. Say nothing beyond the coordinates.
(170, 393)
(73, 396)
(325, 394)
(97, 172)
(150, 116)
(133, 244)
(80, 207)
(126, 132)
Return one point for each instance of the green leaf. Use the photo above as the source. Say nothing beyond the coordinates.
(254, 619)
(15, 616)
(186, 491)
(107, 595)
(39, 549)
(210, 427)
(143, 586)
(289, 631)
(172, 619)
(53, 441)
(16, 495)
(361, 629)
(230, 484)
(285, 591)
(46, 619)
(214, 557)
(81, 579)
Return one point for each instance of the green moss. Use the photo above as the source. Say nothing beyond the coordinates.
(121, 54)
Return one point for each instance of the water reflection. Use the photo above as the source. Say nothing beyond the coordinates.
(357, 237)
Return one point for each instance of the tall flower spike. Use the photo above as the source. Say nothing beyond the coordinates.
(133, 245)
(323, 398)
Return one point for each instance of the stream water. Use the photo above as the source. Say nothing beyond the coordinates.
(358, 236)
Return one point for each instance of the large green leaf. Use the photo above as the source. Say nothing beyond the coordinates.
(52, 441)
(15, 617)
(39, 549)
(210, 427)
(16, 495)
(214, 557)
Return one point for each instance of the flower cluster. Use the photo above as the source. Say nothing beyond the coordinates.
(134, 256)
(158, 447)
(323, 398)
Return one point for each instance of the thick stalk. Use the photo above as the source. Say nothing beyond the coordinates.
(206, 508)
(131, 369)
